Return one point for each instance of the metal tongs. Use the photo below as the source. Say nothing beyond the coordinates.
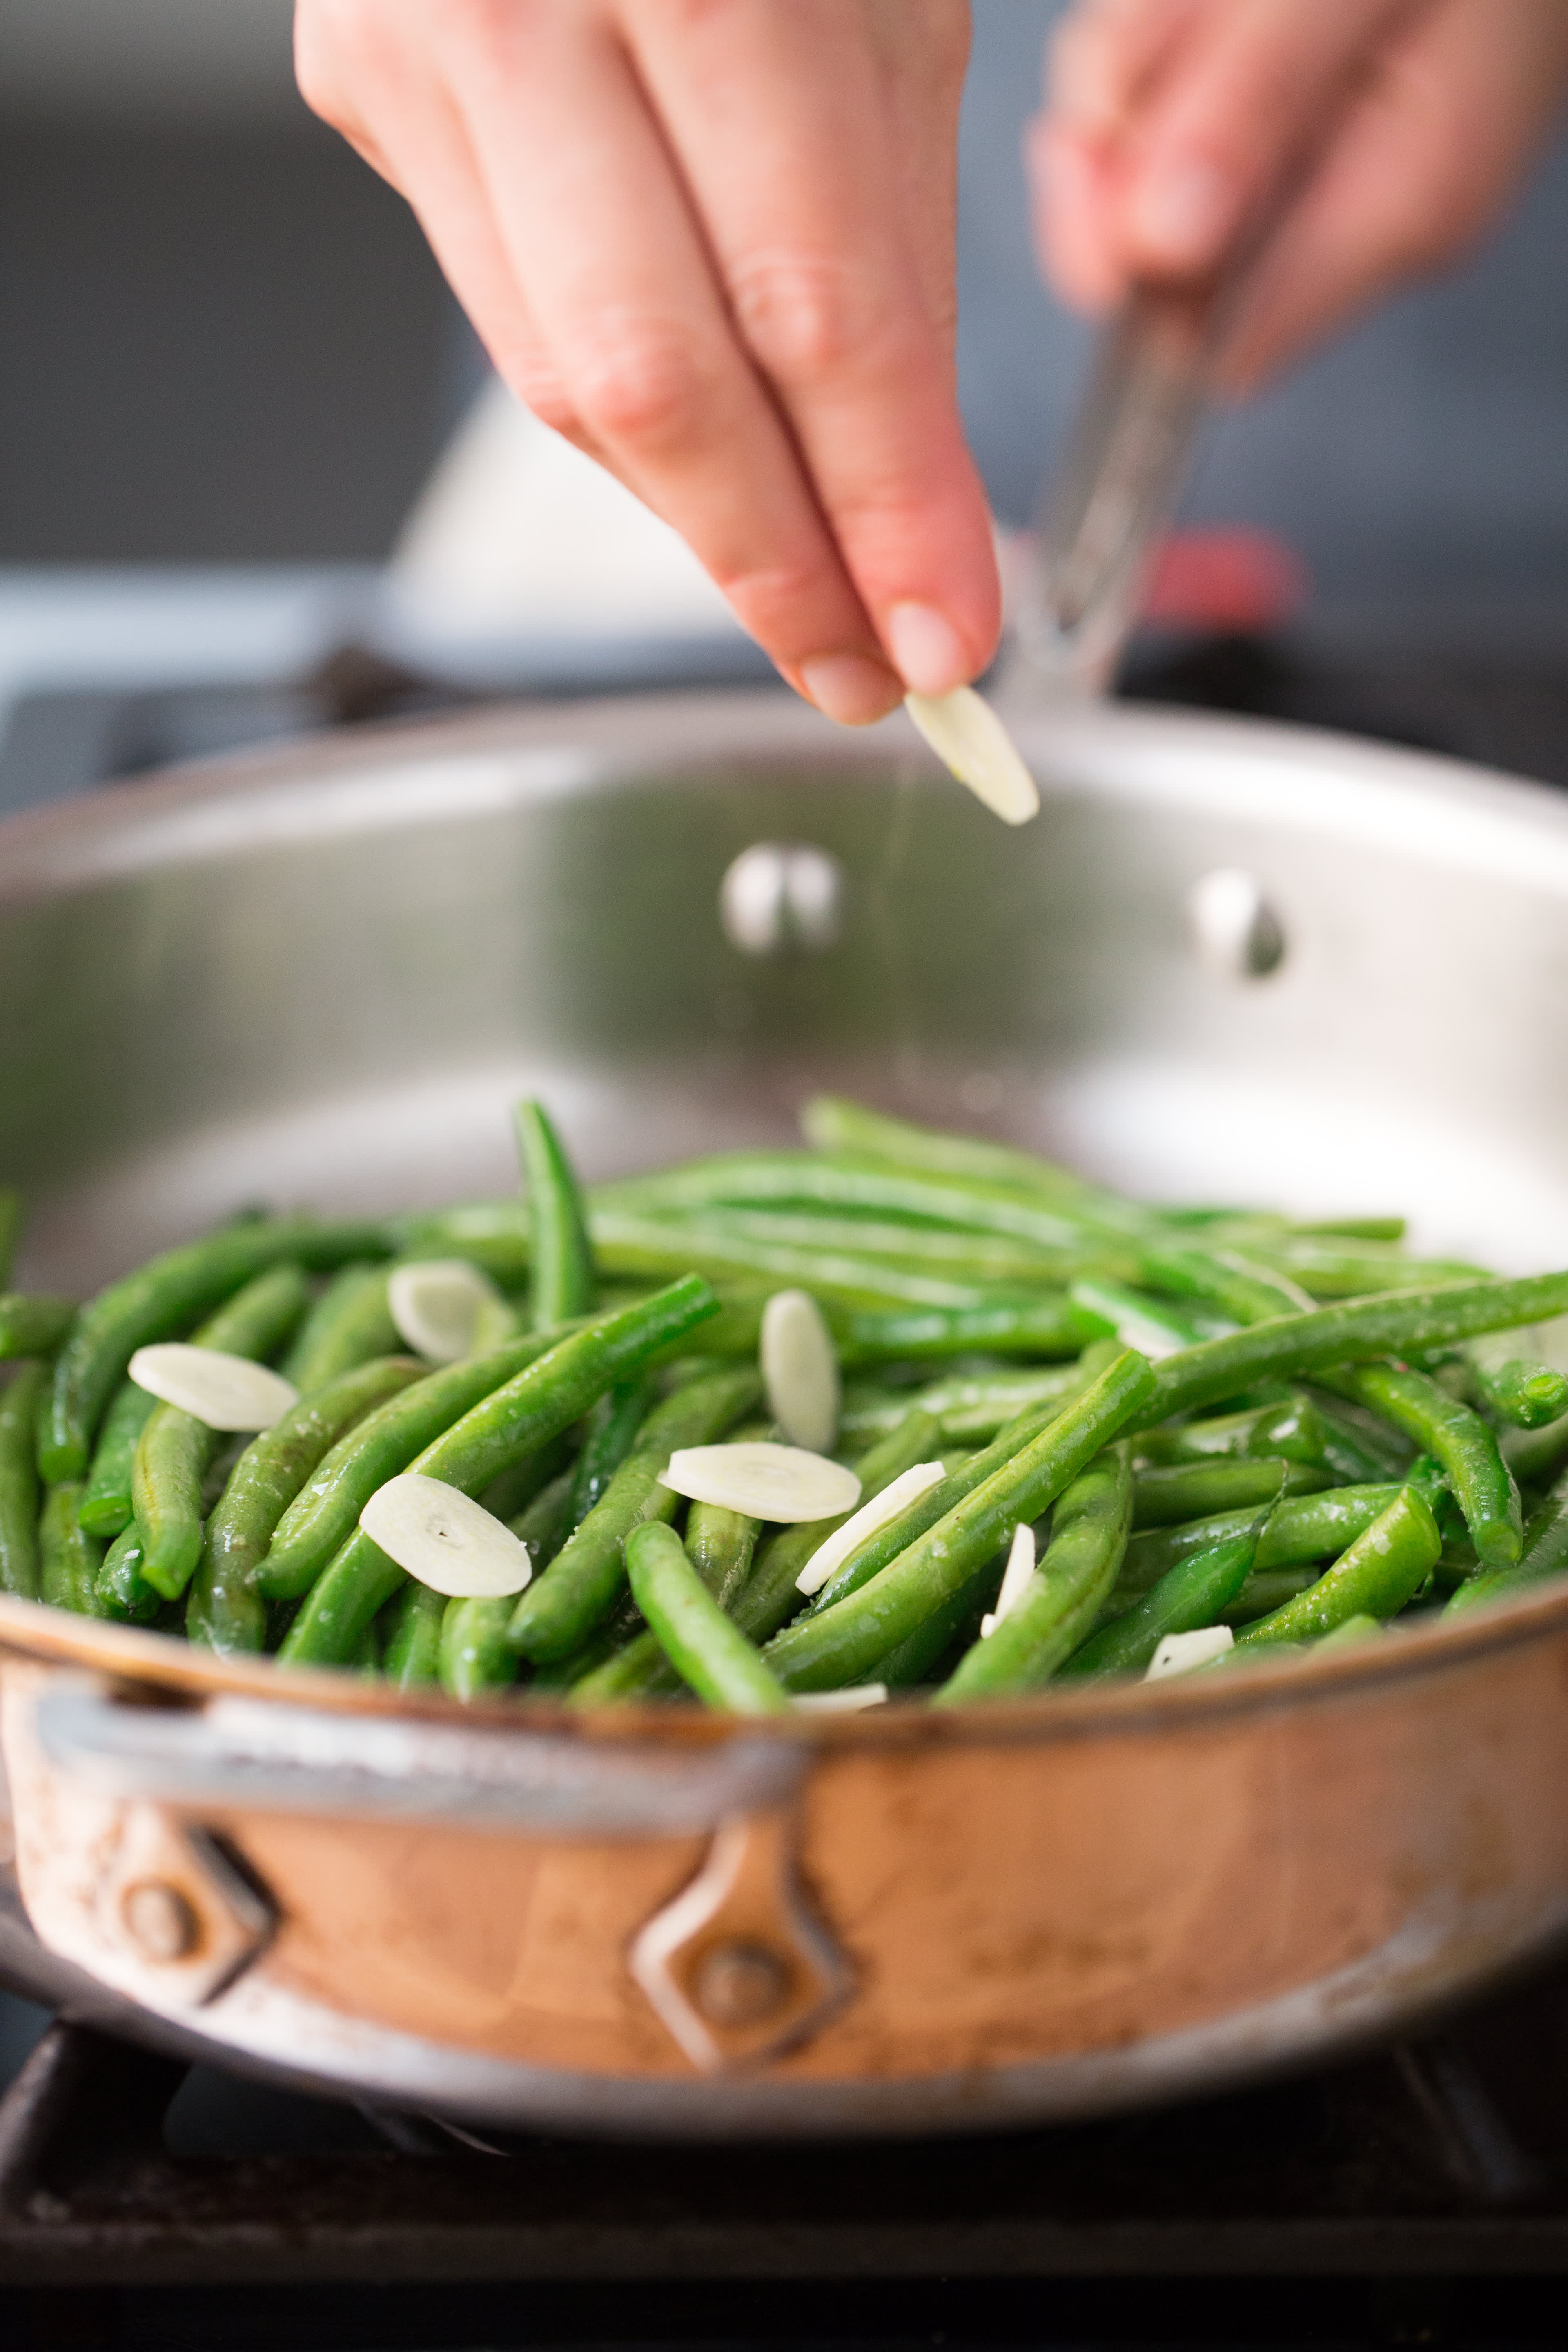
(1126, 460)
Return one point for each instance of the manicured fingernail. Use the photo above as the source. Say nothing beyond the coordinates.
(1182, 214)
(849, 688)
(928, 649)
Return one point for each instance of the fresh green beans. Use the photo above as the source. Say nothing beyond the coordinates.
(613, 1427)
(706, 1650)
(160, 1301)
(224, 1610)
(1461, 1442)
(20, 1399)
(1528, 1394)
(325, 1512)
(561, 1276)
(68, 1555)
(1382, 1570)
(412, 1658)
(1195, 1593)
(1392, 1324)
(1196, 1490)
(771, 1593)
(1088, 1536)
(627, 1244)
(525, 1412)
(32, 1324)
(841, 1642)
(560, 1608)
(832, 1123)
(1138, 1319)
(106, 1505)
(1047, 1324)
(970, 1406)
(473, 1657)
(174, 1448)
(1245, 1292)
(123, 1592)
(350, 1323)
(759, 1179)
(1545, 1554)
(1302, 1530)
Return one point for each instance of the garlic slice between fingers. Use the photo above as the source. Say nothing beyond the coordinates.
(446, 1540)
(221, 1391)
(800, 1369)
(782, 1482)
(437, 1303)
(966, 734)
(835, 1549)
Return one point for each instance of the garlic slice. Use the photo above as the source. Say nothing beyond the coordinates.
(800, 1369)
(841, 1702)
(443, 1539)
(223, 1391)
(1182, 1653)
(835, 1549)
(437, 1304)
(1015, 1578)
(782, 1482)
(966, 732)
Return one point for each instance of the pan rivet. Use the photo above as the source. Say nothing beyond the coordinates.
(782, 897)
(1235, 932)
(737, 1983)
(160, 1921)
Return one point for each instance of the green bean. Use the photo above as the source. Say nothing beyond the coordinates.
(1535, 1455)
(1195, 1593)
(1356, 1446)
(472, 1656)
(350, 1323)
(10, 1230)
(719, 1544)
(972, 1405)
(106, 1506)
(1302, 1530)
(1462, 1443)
(174, 1448)
(841, 1642)
(954, 1625)
(123, 1592)
(1196, 1490)
(68, 1555)
(1088, 1536)
(756, 1178)
(1529, 1395)
(1138, 1319)
(772, 1592)
(1544, 1553)
(1392, 1324)
(1244, 1291)
(33, 1323)
(625, 1242)
(1347, 1633)
(158, 1301)
(412, 1658)
(1382, 1570)
(707, 1650)
(1049, 1324)
(20, 1399)
(1293, 1430)
(1342, 1273)
(613, 1427)
(1264, 1591)
(560, 1608)
(543, 1526)
(562, 1274)
(833, 1123)
(225, 1612)
(525, 1412)
(981, 1259)
(517, 1485)
(325, 1513)
(491, 1234)
(1355, 1229)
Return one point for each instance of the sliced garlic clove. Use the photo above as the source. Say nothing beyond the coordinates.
(800, 1369)
(841, 1702)
(438, 1304)
(443, 1537)
(224, 1391)
(835, 1549)
(1182, 1653)
(782, 1482)
(1015, 1578)
(966, 732)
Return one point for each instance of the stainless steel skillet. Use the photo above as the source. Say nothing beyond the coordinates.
(319, 976)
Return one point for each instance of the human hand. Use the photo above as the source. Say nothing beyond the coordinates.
(711, 242)
(1409, 122)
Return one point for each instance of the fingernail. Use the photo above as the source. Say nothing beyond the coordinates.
(1184, 213)
(849, 688)
(928, 649)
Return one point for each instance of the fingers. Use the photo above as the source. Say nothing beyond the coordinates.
(1427, 155)
(825, 286)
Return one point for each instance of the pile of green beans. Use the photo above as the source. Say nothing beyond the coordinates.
(1208, 1416)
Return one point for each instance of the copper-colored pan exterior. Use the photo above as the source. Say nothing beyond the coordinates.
(665, 1922)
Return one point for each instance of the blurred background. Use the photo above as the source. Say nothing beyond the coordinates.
(234, 377)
